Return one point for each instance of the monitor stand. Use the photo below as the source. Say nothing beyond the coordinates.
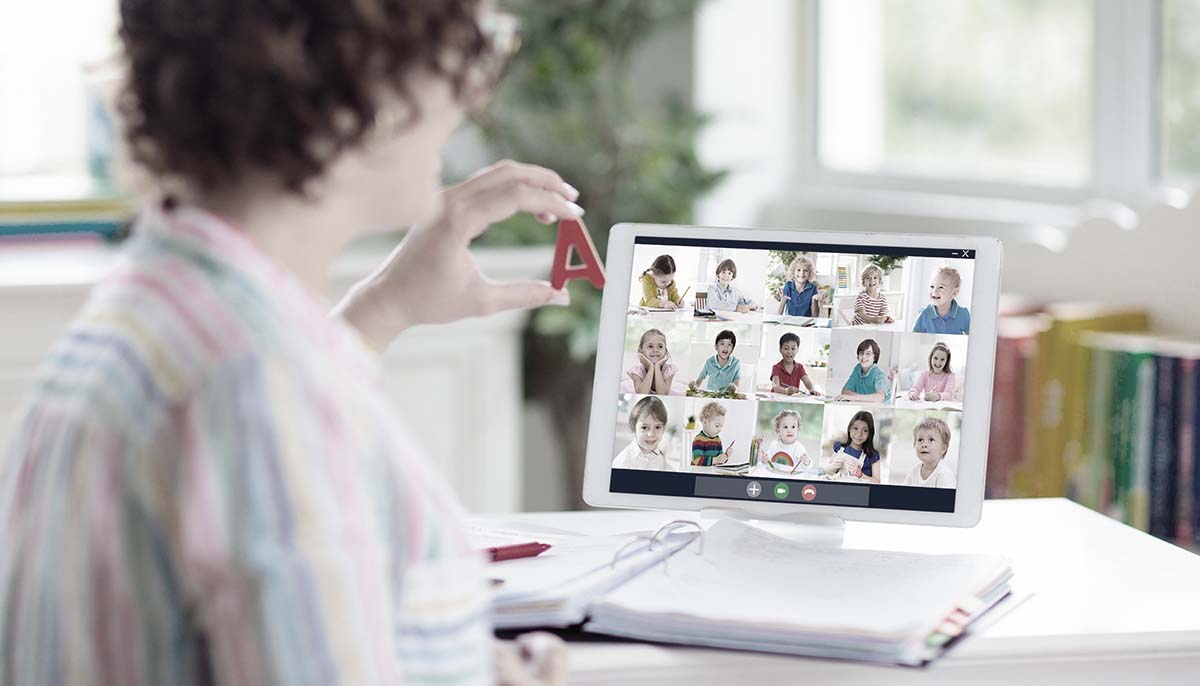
(823, 530)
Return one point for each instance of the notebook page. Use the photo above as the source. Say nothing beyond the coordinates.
(744, 575)
(578, 566)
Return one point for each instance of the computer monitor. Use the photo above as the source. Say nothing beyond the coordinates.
(775, 373)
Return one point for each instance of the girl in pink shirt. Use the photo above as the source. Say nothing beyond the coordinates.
(939, 382)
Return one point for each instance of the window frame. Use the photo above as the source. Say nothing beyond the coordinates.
(1125, 163)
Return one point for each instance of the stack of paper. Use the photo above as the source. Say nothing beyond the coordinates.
(741, 587)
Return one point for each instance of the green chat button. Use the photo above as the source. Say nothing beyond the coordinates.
(781, 491)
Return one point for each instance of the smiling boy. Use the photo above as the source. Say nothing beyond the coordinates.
(723, 370)
(867, 382)
(723, 295)
(943, 314)
(788, 375)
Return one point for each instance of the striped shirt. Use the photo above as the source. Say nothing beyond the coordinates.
(705, 449)
(208, 486)
(872, 307)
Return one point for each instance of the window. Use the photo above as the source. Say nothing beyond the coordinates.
(48, 96)
(983, 90)
(1181, 89)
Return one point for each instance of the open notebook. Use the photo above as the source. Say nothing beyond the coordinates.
(737, 586)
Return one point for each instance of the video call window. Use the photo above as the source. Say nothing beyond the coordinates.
(835, 365)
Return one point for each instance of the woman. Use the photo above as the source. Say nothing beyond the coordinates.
(207, 485)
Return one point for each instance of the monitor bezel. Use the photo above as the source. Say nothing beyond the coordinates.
(977, 392)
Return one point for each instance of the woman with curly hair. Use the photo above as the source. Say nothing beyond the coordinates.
(207, 484)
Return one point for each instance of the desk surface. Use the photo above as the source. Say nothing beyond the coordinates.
(1109, 604)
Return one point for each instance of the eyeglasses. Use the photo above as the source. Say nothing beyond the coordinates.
(503, 34)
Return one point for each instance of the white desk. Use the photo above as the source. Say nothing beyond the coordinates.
(1110, 605)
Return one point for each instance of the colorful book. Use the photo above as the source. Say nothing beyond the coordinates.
(1143, 435)
(1056, 416)
(1092, 486)
(1187, 512)
(1015, 344)
(1164, 450)
(1129, 426)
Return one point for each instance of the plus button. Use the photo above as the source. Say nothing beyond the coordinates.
(753, 489)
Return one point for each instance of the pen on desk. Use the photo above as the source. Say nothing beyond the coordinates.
(513, 552)
(684, 293)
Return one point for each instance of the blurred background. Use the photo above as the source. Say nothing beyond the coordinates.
(1070, 129)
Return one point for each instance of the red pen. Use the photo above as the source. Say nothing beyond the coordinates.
(512, 552)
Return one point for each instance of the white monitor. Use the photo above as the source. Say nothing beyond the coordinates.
(783, 373)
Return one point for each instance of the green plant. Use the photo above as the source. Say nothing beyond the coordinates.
(566, 104)
(777, 266)
(886, 263)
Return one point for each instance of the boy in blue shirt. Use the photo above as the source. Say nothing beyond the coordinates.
(943, 314)
(723, 370)
(800, 295)
(868, 382)
(723, 295)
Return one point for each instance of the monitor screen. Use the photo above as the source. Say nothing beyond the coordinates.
(794, 373)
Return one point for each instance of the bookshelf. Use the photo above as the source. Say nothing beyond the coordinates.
(1089, 403)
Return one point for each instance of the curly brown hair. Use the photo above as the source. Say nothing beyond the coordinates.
(218, 88)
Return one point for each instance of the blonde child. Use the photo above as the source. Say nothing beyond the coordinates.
(870, 307)
(723, 295)
(856, 457)
(658, 285)
(801, 296)
(943, 314)
(706, 448)
(939, 382)
(931, 439)
(647, 421)
(654, 372)
(723, 370)
(787, 375)
(787, 450)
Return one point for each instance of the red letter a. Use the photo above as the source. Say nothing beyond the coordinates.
(572, 234)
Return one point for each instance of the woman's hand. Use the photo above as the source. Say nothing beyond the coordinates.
(432, 278)
(534, 659)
